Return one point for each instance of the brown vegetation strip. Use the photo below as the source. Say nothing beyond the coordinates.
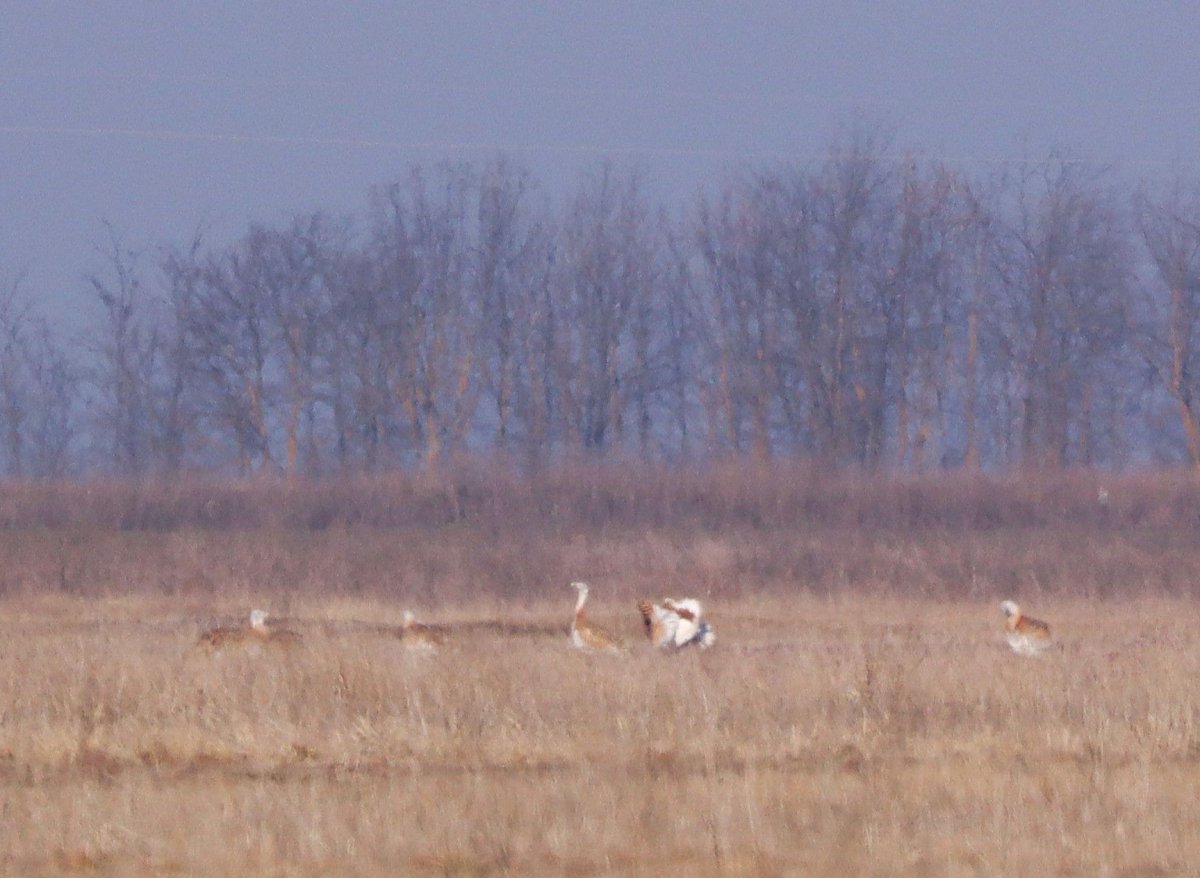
(619, 495)
(101, 765)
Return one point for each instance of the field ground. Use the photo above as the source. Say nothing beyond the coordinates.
(861, 734)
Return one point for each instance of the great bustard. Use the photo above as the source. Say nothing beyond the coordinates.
(417, 635)
(586, 634)
(257, 633)
(1025, 636)
(661, 624)
(676, 623)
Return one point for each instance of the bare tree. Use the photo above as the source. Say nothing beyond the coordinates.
(229, 332)
(605, 271)
(512, 251)
(927, 311)
(421, 245)
(680, 372)
(126, 353)
(177, 393)
(1065, 268)
(52, 398)
(538, 397)
(853, 206)
(1167, 329)
(288, 268)
(359, 363)
(39, 391)
(14, 390)
(737, 243)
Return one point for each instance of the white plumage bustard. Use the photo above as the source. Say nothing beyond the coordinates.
(692, 627)
(1025, 636)
(676, 623)
(661, 624)
(587, 635)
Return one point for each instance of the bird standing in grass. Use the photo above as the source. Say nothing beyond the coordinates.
(1025, 636)
(587, 635)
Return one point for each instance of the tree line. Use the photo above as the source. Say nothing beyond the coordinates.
(861, 311)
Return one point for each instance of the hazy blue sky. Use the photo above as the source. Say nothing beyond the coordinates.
(158, 116)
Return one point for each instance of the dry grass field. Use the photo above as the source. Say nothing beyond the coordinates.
(859, 715)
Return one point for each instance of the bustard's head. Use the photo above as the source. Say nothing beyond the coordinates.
(1010, 608)
(580, 587)
(258, 619)
(409, 618)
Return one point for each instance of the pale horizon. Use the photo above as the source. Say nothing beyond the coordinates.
(162, 119)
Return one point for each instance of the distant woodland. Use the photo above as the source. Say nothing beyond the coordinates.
(858, 312)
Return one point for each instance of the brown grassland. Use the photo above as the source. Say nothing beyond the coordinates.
(859, 715)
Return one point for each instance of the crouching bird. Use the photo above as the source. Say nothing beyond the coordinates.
(254, 635)
(418, 635)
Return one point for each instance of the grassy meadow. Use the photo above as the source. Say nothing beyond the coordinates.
(859, 715)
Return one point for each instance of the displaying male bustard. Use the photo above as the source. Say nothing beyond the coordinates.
(417, 635)
(586, 634)
(258, 632)
(676, 623)
(1025, 636)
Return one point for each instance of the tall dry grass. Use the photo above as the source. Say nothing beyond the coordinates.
(883, 737)
(860, 714)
